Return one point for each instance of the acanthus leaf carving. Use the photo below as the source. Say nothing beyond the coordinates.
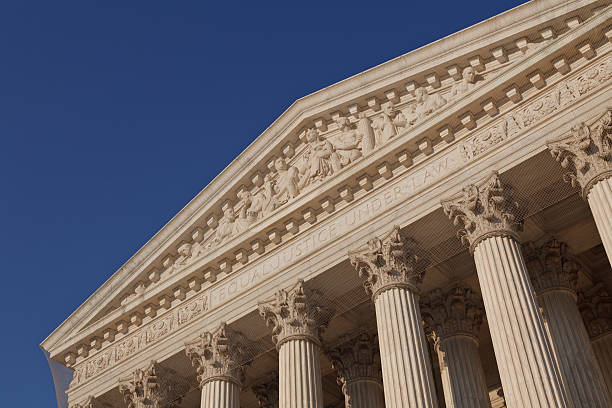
(357, 359)
(586, 152)
(387, 262)
(458, 311)
(551, 266)
(595, 305)
(219, 355)
(295, 313)
(483, 210)
(154, 386)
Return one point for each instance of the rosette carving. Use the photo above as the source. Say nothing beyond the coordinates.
(295, 313)
(595, 306)
(483, 210)
(458, 311)
(153, 387)
(551, 266)
(586, 152)
(218, 355)
(388, 262)
(358, 359)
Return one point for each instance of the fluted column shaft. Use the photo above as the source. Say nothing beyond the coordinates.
(600, 201)
(406, 370)
(578, 367)
(220, 394)
(602, 348)
(365, 393)
(299, 378)
(463, 377)
(523, 353)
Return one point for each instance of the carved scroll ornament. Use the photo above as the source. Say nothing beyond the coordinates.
(586, 152)
(483, 210)
(388, 262)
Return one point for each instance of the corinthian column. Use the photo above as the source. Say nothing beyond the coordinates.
(587, 153)
(358, 365)
(153, 387)
(554, 275)
(218, 357)
(485, 215)
(391, 272)
(453, 319)
(295, 316)
(596, 309)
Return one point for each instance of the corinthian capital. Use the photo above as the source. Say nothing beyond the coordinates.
(551, 266)
(266, 392)
(388, 262)
(483, 210)
(218, 355)
(358, 359)
(153, 387)
(295, 313)
(586, 152)
(458, 311)
(595, 306)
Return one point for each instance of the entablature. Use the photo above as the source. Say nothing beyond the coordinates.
(508, 76)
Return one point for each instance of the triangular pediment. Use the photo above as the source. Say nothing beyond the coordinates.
(328, 144)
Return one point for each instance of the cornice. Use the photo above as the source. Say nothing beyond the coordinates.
(376, 79)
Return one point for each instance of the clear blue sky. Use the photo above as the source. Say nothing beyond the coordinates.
(114, 114)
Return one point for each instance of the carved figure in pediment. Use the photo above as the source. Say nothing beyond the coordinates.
(465, 85)
(184, 252)
(138, 291)
(229, 226)
(347, 143)
(287, 183)
(319, 160)
(368, 138)
(425, 105)
(388, 122)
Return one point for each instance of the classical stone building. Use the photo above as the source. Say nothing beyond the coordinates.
(435, 231)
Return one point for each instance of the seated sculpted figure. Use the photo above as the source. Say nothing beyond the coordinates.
(388, 122)
(228, 226)
(425, 105)
(467, 83)
(347, 143)
(319, 160)
(287, 181)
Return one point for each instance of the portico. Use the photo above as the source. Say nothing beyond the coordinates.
(400, 207)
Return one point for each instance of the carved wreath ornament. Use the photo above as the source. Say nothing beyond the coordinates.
(483, 210)
(586, 152)
(387, 262)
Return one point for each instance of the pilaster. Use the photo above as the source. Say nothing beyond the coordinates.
(486, 217)
(586, 152)
(392, 272)
(453, 320)
(596, 309)
(357, 363)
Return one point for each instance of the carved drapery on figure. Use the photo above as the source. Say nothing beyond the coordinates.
(266, 392)
(586, 152)
(357, 360)
(218, 355)
(483, 210)
(153, 387)
(295, 313)
(595, 305)
(458, 311)
(551, 266)
(387, 262)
